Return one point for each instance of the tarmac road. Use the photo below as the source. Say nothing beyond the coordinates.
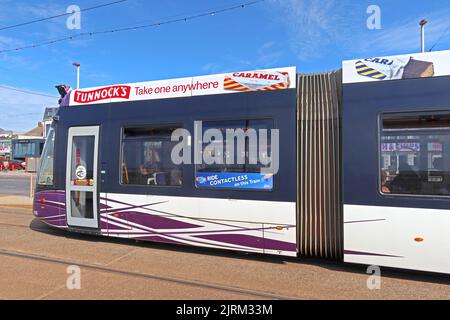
(34, 260)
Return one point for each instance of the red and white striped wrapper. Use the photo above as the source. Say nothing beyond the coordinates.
(257, 81)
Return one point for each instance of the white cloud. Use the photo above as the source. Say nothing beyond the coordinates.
(316, 28)
(312, 25)
(267, 55)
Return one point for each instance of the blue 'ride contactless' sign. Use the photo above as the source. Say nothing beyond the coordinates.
(256, 181)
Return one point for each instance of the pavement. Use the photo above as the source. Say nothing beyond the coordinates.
(16, 183)
(34, 260)
(16, 201)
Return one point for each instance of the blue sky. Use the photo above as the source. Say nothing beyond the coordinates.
(314, 35)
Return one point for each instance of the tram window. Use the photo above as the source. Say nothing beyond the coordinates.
(82, 163)
(46, 169)
(146, 157)
(415, 153)
(236, 163)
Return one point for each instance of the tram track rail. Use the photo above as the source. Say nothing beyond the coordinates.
(148, 276)
(107, 269)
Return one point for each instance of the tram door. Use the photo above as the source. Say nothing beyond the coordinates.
(81, 177)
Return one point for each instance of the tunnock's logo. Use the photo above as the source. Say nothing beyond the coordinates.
(113, 92)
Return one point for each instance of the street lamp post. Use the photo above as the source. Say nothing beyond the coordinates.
(422, 24)
(77, 65)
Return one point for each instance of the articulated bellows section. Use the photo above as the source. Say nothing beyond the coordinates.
(319, 199)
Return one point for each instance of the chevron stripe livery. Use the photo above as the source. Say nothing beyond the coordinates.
(363, 70)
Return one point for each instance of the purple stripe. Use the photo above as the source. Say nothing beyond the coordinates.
(224, 230)
(103, 206)
(103, 224)
(182, 240)
(362, 221)
(111, 226)
(52, 205)
(244, 240)
(136, 207)
(52, 195)
(176, 215)
(155, 222)
(362, 253)
(201, 220)
(48, 211)
(251, 241)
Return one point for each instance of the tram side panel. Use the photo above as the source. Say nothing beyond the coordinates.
(237, 219)
(396, 151)
(245, 220)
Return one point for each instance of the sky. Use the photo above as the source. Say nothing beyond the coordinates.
(313, 35)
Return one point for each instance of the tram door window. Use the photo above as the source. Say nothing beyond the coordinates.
(82, 168)
(82, 204)
(81, 179)
(82, 174)
(415, 153)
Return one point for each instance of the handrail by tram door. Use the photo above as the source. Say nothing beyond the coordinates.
(81, 177)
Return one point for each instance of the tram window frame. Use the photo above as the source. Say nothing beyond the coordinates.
(431, 130)
(230, 120)
(52, 131)
(153, 126)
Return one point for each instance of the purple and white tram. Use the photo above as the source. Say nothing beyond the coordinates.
(362, 172)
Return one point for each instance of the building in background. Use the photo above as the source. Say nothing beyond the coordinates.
(27, 147)
(5, 144)
(29, 144)
(5, 133)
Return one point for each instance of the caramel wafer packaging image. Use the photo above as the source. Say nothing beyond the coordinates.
(418, 69)
(381, 68)
(400, 67)
(257, 81)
